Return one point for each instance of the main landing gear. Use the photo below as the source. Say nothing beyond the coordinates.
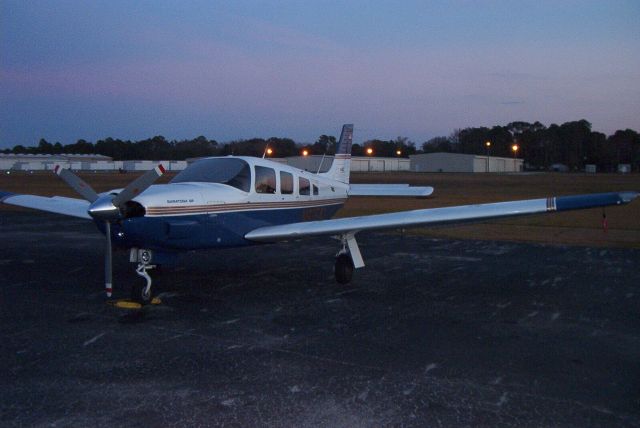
(141, 293)
(344, 268)
(347, 260)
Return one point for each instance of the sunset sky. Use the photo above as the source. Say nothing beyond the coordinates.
(299, 69)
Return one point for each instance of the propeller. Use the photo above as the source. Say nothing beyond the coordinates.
(108, 208)
(76, 183)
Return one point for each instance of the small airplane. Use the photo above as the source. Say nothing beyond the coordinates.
(234, 201)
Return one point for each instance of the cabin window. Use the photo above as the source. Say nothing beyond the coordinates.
(265, 180)
(315, 189)
(232, 172)
(286, 183)
(304, 186)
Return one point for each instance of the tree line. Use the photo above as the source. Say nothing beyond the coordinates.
(573, 144)
(159, 148)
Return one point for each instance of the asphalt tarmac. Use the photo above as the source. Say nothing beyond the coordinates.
(430, 333)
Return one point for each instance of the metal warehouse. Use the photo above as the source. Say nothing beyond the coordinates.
(358, 163)
(28, 162)
(456, 162)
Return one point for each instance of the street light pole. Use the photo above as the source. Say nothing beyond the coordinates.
(488, 146)
(515, 148)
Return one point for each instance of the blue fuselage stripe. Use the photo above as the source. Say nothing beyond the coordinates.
(214, 230)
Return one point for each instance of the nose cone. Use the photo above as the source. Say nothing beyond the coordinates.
(103, 209)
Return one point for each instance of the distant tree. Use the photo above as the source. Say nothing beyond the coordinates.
(384, 148)
(282, 147)
(626, 146)
(44, 147)
(198, 147)
(573, 140)
(472, 141)
(437, 144)
(81, 147)
(529, 137)
(324, 144)
(253, 147)
(380, 147)
(405, 146)
(19, 149)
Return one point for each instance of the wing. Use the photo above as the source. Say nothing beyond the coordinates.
(388, 190)
(56, 204)
(433, 216)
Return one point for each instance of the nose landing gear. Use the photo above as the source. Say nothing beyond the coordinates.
(141, 293)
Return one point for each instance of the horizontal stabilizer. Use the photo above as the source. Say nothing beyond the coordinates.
(56, 204)
(434, 216)
(389, 190)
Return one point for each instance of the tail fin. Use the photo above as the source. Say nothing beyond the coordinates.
(341, 166)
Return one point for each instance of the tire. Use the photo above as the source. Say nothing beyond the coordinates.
(138, 295)
(344, 269)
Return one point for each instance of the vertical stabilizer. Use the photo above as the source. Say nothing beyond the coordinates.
(341, 166)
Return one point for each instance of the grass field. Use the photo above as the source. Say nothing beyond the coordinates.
(575, 228)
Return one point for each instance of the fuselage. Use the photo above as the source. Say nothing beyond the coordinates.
(215, 202)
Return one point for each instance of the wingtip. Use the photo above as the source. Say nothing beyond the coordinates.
(5, 195)
(628, 196)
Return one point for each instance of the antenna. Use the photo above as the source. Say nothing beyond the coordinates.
(321, 160)
(326, 148)
(267, 151)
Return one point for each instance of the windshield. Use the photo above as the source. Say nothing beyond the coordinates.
(233, 172)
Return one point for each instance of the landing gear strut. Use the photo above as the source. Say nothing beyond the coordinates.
(142, 292)
(347, 260)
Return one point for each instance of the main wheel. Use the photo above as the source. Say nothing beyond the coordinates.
(138, 294)
(344, 269)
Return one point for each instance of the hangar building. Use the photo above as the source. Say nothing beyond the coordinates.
(358, 163)
(457, 162)
(80, 162)
(42, 162)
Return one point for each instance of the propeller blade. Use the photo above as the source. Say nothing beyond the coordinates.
(138, 185)
(108, 287)
(76, 183)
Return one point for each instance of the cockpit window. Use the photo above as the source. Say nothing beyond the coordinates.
(233, 172)
(265, 180)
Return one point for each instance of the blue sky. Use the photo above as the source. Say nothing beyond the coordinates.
(228, 70)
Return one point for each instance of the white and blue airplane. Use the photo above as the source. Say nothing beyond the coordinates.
(234, 201)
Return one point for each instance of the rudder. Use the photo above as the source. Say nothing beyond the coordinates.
(341, 166)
